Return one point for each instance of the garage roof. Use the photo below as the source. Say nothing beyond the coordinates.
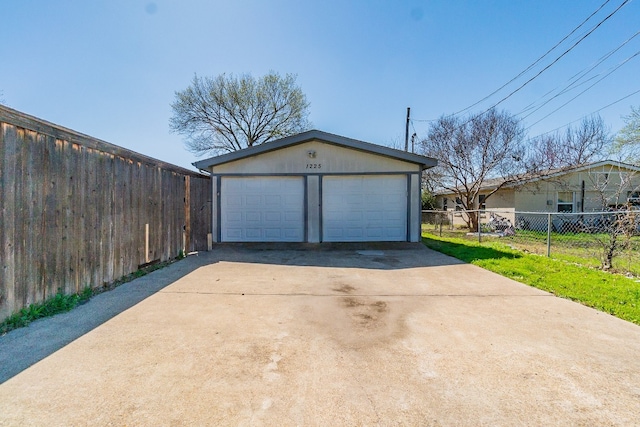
(426, 162)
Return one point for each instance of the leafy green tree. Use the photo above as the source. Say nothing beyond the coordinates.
(428, 200)
(228, 113)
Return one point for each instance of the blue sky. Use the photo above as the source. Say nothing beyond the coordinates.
(110, 68)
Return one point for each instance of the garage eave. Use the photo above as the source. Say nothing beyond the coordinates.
(424, 162)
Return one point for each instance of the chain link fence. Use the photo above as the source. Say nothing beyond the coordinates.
(609, 240)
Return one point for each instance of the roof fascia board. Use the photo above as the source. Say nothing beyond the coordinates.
(577, 169)
(556, 174)
(329, 138)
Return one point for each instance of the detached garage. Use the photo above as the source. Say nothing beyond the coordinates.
(316, 187)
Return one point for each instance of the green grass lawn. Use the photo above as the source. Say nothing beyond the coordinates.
(611, 293)
(62, 302)
(581, 248)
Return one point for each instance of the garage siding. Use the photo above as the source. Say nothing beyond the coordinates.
(316, 190)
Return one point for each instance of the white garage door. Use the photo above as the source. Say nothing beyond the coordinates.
(364, 208)
(262, 209)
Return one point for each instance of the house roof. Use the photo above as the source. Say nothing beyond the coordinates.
(490, 184)
(426, 162)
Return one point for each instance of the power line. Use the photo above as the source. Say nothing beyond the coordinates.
(590, 114)
(573, 80)
(539, 59)
(598, 81)
(559, 57)
(576, 78)
(582, 38)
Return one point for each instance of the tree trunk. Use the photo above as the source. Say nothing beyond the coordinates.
(607, 262)
(473, 221)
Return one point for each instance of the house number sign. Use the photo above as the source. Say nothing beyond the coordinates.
(314, 165)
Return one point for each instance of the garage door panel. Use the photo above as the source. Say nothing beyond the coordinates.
(253, 232)
(377, 233)
(364, 208)
(394, 198)
(234, 233)
(354, 216)
(374, 199)
(331, 234)
(262, 209)
(272, 217)
(273, 200)
(374, 216)
(394, 216)
(291, 200)
(250, 217)
(291, 233)
(354, 233)
(273, 233)
(291, 217)
(234, 201)
(353, 199)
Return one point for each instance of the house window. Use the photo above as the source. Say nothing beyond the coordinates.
(482, 204)
(633, 197)
(565, 201)
(444, 203)
(458, 204)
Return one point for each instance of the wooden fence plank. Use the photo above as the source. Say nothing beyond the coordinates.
(88, 207)
(51, 229)
(118, 229)
(95, 217)
(20, 287)
(32, 217)
(40, 254)
(187, 212)
(109, 218)
(59, 196)
(67, 229)
(8, 144)
(4, 311)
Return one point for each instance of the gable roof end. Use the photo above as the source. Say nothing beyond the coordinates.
(425, 162)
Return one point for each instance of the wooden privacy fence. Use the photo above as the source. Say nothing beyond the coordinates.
(77, 211)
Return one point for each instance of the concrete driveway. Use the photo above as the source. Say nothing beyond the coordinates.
(389, 335)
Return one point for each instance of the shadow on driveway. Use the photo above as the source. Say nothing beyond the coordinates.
(23, 347)
(375, 256)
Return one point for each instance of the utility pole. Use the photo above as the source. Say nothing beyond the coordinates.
(406, 131)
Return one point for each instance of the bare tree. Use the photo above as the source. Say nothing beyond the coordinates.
(615, 229)
(628, 139)
(589, 142)
(228, 113)
(470, 151)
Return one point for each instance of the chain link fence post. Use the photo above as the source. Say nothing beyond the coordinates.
(549, 225)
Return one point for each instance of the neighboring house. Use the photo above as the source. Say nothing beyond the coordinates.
(316, 187)
(592, 187)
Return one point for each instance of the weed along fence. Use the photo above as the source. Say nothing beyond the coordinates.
(76, 211)
(609, 240)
